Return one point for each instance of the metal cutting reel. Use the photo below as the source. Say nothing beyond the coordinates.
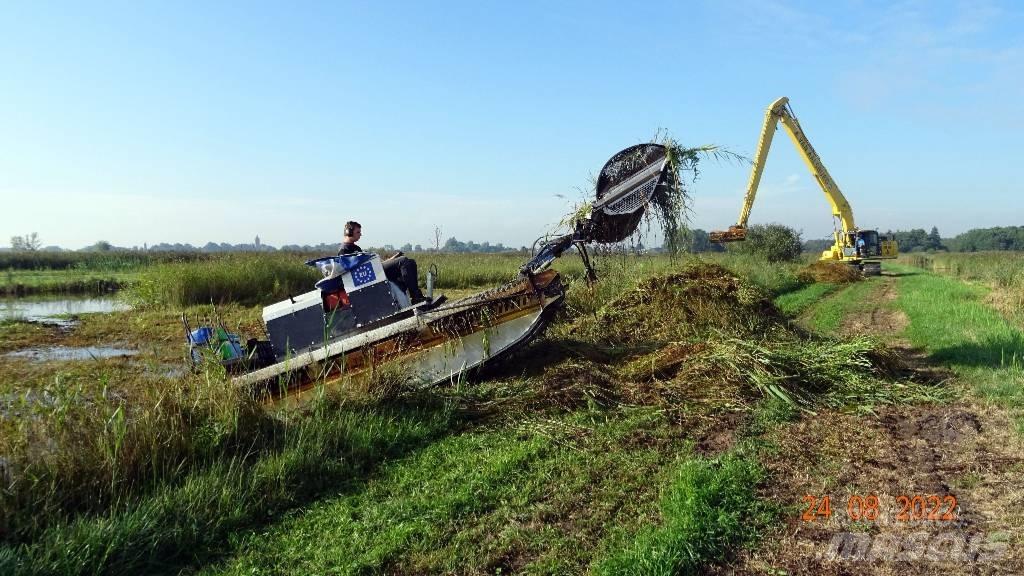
(625, 188)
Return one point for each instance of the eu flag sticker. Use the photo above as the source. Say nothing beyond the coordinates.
(363, 274)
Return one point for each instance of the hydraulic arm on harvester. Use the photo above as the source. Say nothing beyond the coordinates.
(846, 234)
(625, 187)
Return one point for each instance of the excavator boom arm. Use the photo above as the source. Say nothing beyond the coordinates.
(764, 143)
(780, 111)
(851, 244)
(840, 207)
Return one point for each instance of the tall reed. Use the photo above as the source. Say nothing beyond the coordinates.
(244, 278)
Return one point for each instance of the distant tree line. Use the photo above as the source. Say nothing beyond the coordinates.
(914, 240)
(998, 238)
(692, 240)
(32, 243)
(453, 245)
(917, 240)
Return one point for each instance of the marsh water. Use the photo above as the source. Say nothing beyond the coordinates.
(61, 312)
(56, 310)
(71, 353)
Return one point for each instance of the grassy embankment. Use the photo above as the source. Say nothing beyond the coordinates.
(598, 447)
(24, 273)
(974, 328)
(964, 311)
(30, 282)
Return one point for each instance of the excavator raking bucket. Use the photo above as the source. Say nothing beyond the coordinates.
(733, 234)
(626, 185)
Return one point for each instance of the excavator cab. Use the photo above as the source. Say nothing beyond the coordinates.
(875, 245)
(871, 247)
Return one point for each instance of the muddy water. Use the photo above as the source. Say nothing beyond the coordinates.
(55, 310)
(71, 353)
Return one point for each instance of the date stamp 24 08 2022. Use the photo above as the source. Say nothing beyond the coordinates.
(942, 537)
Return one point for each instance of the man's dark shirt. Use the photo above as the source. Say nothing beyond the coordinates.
(349, 248)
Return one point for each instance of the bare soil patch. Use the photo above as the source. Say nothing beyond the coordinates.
(878, 317)
(963, 450)
(931, 452)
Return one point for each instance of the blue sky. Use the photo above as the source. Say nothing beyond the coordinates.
(174, 122)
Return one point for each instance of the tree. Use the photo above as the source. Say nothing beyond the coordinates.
(915, 240)
(453, 245)
(934, 240)
(700, 241)
(820, 245)
(27, 243)
(773, 242)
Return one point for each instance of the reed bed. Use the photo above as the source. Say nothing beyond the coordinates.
(1002, 271)
(93, 261)
(248, 279)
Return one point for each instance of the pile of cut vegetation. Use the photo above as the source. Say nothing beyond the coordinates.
(704, 333)
(701, 298)
(829, 272)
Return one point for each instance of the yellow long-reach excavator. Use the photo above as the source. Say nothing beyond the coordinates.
(859, 247)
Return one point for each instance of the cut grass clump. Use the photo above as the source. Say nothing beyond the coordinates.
(829, 272)
(852, 375)
(574, 384)
(700, 299)
(705, 333)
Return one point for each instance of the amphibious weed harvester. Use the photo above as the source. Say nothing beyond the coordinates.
(356, 322)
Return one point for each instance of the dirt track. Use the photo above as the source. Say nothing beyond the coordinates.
(934, 452)
(880, 319)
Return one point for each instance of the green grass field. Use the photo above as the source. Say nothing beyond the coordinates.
(593, 452)
(1002, 272)
(952, 321)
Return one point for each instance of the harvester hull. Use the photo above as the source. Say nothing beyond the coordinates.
(436, 346)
